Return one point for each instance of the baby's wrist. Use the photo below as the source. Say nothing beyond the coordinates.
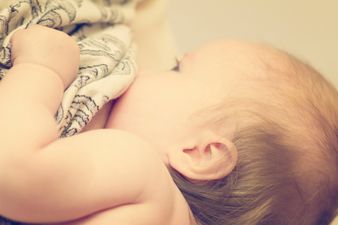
(64, 72)
(47, 47)
(33, 64)
(38, 68)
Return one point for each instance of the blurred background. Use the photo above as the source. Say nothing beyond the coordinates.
(307, 29)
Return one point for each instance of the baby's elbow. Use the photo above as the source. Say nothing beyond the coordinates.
(13, 166)
(19, 178)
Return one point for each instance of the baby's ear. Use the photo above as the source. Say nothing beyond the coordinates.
(213, 158)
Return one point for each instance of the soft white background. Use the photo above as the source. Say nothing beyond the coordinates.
(306, 28)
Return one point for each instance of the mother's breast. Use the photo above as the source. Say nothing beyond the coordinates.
(100, 119)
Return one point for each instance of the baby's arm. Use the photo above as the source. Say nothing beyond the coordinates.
(45, 179)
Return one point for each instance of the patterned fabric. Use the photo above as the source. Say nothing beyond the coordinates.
(107, 65)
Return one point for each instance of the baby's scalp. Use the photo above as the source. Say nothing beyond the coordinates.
(286, 139)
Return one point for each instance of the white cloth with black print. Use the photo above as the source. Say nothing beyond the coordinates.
(107, 62)
(107, 65)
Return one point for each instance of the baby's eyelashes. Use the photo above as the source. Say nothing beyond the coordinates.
(177, 66)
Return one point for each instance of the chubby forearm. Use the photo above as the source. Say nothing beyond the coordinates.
(45, 62)
(80, 175)
(27, 123)
(44, 179)
(26, 117)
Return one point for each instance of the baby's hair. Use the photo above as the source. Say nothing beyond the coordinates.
(287, 143)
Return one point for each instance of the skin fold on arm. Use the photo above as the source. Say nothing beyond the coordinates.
(45, 179)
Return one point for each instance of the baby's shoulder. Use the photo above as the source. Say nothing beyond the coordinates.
(168, 209)
(166, 206)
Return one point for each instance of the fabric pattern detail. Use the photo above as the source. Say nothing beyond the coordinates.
(107, 65)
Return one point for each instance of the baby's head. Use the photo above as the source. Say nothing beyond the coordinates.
(249, 133)
(285, 135)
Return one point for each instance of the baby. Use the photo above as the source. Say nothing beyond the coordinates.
(237, 133)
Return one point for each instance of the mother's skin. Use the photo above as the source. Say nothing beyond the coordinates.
(156, 47)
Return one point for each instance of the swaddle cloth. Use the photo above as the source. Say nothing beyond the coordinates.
(107, 65)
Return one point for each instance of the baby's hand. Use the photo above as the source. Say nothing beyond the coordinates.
(47, 47)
